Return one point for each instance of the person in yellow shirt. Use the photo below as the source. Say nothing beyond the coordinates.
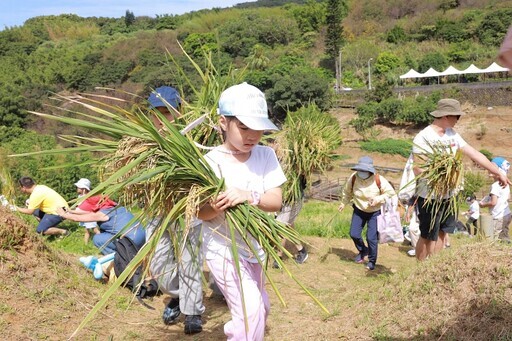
(367, 191)
(43, 204)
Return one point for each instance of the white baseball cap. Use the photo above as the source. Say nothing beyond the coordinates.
(83, 183)
(247, 103)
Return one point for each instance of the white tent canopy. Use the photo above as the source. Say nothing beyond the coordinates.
(472, 69)
(450, 71)
(411, 74)
(430, 73)
(494, 67)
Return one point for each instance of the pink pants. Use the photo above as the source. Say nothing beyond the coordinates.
(255, 297)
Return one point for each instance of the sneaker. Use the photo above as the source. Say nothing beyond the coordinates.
(276, 265)
(412, 252)
(360, 257)
(172, 311)
(302, 256)
(193, 324)
(370, 266)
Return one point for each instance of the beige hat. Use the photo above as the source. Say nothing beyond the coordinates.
(447, 107)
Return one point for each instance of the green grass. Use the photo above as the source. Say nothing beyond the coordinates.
(322, 219)
(74, 242)
(388, 146)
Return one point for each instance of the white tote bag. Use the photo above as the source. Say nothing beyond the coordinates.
(407, 184)
(389, 224)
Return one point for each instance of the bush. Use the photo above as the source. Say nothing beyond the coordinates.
(473, 182)
(366, 116)
(388, 146)
(396, 35)
(487, 154)
(493, 27)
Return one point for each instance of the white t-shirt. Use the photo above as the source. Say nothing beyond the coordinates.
(474, 208)
(259, 173)
(427, 137)
(501, 208)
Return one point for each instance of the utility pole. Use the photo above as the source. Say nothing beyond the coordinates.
(369, 74)
(337, 66)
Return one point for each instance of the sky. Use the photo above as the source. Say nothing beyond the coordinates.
(15, 12)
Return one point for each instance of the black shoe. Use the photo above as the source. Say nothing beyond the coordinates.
(172, 311)
(302, 256)
(193, 324)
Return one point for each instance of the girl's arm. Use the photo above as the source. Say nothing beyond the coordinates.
(270, 201)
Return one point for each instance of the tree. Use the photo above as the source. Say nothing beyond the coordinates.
(129, 18)
(336, 11)
(494, 26)
(434, 60)
(396, 35)
(386, 62)
(310, 16)
(12, 103)
(302, 85)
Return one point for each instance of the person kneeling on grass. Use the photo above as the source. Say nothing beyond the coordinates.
(112, 222)
(43, 203)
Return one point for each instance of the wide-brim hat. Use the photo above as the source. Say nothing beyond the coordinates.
(247, 103)
(83, 183)
(447, 107)
(365, 164)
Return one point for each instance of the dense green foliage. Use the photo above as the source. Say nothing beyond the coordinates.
(388, 146)
(19, 141)
(285, 47)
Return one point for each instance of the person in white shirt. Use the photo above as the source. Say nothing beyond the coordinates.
(252, 174)
(498, 203)
(473, 214)
(433, 225)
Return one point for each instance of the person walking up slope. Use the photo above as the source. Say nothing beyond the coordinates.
(435, 217)
(252, 174)
(367, 191)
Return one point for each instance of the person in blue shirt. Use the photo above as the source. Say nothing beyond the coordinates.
(113, 222)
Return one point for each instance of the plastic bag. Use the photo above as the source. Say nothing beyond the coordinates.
(389, 224)
(407, 184)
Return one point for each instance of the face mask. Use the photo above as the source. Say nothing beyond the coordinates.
(363, 175)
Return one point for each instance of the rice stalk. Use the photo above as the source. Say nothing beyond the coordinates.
(443, 173)
(166, 171)
(304, 146)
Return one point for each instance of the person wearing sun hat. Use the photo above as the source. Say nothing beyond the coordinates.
(434, 227)
(367, 192)
(166, 100)
(498, 203)
(252, 175)
(90, 204)
(178, 272)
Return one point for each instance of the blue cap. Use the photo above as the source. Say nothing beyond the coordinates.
(502, 164)
(165, 94)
